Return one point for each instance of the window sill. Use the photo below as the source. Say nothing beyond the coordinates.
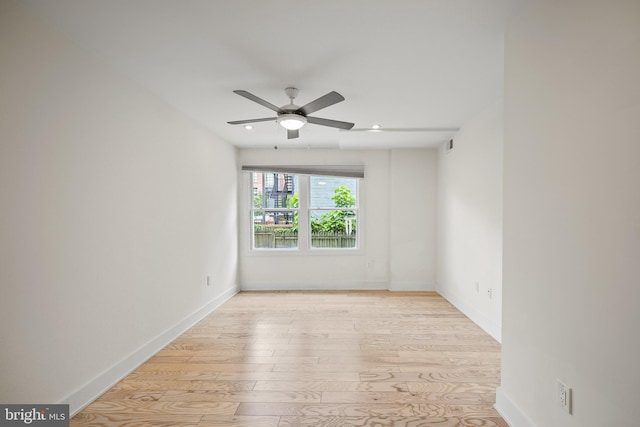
(305, 252)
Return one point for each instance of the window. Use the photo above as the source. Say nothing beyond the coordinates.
(274, 210)
(333, 212)
(303, 212)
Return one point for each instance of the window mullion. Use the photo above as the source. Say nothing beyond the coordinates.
(303, 213)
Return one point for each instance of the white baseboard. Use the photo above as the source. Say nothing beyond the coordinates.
(103, 382)
(411, 287)
(510, 411)
(297, 286)
(337, 286)
(478, 318)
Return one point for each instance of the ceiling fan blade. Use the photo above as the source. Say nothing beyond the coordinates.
(242, 122)
(331, 123)
(322, 102)
(260, 101)
(292, 133)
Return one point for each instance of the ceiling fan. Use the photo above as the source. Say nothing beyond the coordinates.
(291, 117)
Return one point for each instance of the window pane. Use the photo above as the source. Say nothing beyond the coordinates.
(333, 229)
(275, 229)
(330, 191)
(274, 190)
(274, 225)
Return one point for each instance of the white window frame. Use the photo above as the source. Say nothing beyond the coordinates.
(329, 209)
(304, 218)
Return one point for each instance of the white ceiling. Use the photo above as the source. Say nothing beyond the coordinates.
(410, 65)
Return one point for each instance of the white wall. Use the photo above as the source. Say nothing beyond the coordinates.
(412, 227)
(470, 220)
(114, 209)
(572, 213)
(370, 268)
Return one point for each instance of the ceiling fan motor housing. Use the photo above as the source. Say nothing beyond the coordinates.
(291, 92)
(290, 109)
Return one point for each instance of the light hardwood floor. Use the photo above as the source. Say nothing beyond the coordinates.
(276, 359)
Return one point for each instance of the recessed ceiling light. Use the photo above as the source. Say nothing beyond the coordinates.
(248, 127)
(375, 126)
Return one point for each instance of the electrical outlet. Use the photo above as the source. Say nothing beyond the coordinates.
(477, 286)
(208, 280)
(563, 396)
(490, 293)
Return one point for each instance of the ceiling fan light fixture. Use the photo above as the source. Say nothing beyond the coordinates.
(291, 121)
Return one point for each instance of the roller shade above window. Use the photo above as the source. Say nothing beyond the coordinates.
(350, 171)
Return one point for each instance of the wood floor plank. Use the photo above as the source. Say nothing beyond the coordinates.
(402, 397)
(144, 396)
(338, 367)
(256, 359)
(241, 396)
(352, 354)
(433, 387)
(135, 420)
(207, 367)
(332, 386)
(164, 385)
(483, 422)
(487, 371)
(125, 406)
(327, 358)
(446, 377)
(239, 421)
(217, 352)
(169, 359)
(446, 410)
(373, 421)
(174, 375)
(289, 376)
(325, 409)
(407, 356)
